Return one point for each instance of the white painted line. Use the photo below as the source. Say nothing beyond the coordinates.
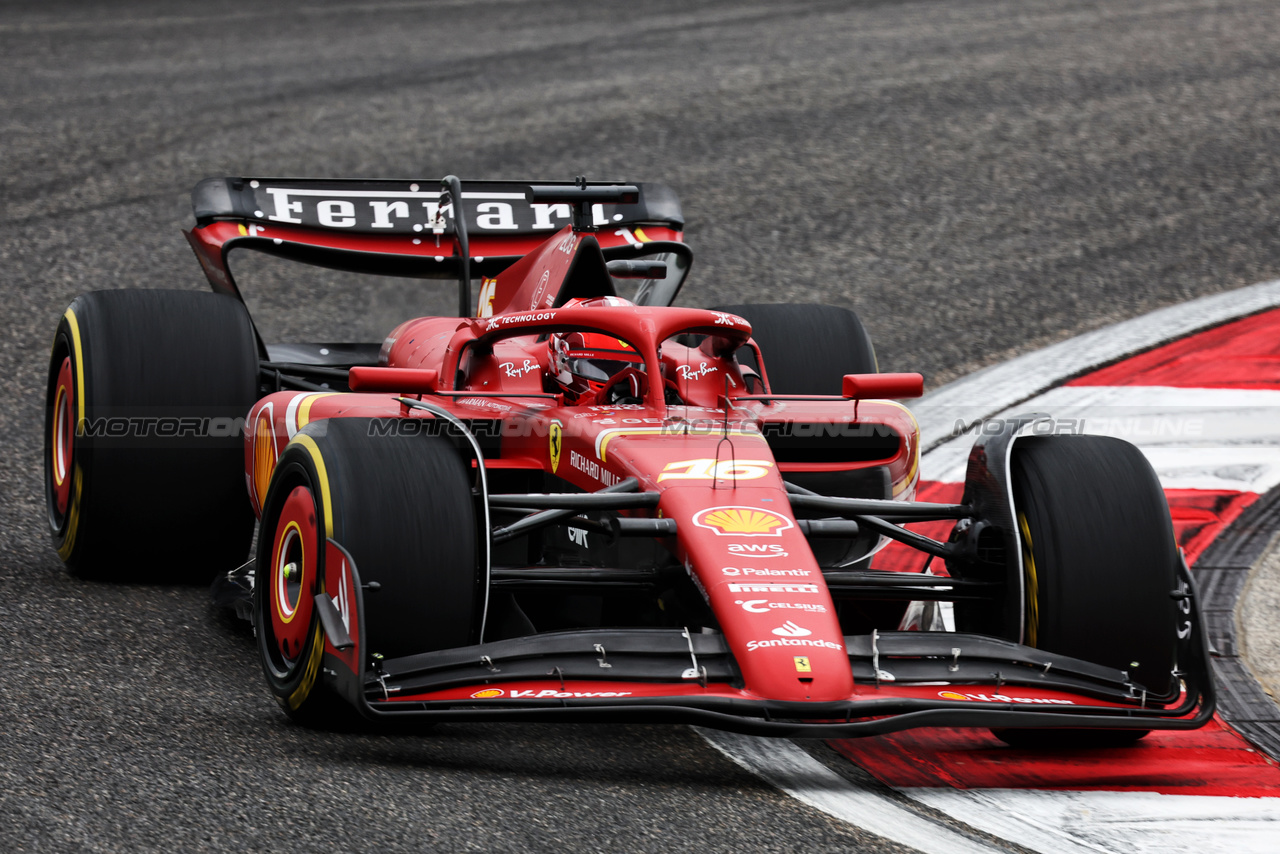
(1240, 469)
(1233, 469)
(1131, 822)
(991, 390)
(804, 778)
(1195, 438)
(1160, 416)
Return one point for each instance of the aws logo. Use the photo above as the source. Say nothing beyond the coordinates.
(758, 549)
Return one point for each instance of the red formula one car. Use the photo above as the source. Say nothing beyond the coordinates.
(570, 505)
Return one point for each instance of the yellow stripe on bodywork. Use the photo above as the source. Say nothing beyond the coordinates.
(314, 450)
(911, 479)
(602, 440)
(304, 411)
(913, 469)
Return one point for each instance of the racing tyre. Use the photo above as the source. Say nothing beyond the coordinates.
(1099, 563)
(401, 506)
(807, 348)
(143, 451)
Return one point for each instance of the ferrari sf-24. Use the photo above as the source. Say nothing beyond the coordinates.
(575, 501)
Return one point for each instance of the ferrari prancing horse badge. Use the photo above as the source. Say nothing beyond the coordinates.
(554, 449)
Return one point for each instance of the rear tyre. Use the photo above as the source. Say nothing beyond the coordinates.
(1099, 562)
(143, 453)
(401, 505)
(807, 348)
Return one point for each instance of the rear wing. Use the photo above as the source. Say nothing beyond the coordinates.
(397, 227)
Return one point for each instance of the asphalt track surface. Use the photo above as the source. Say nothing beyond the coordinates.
(977, 179)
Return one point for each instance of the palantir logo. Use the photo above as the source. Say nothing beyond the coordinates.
(791, 630)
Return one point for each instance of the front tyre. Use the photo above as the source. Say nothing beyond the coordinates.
(401, 506)
(1099, 564)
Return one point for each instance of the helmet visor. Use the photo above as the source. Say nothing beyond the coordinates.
(599, 370)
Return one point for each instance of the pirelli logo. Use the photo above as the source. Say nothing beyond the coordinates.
(772, 588)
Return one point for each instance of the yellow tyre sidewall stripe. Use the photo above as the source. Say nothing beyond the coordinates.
(72, 518)
(315, 654)
(1032, 582)
(74, 326)
(322, 474)
(310, 670)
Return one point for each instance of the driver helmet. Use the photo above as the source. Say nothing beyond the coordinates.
(583, 363)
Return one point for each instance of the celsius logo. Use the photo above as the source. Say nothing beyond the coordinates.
(791, 630)
(758, 549)
(764, 606)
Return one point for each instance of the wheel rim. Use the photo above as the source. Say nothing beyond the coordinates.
(62, 440)
(294, 569)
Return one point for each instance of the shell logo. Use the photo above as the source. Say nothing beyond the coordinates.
(951, 695)
(742, 521)
(264, 454)
(487, 694)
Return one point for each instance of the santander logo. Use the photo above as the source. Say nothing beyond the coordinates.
(791, 630)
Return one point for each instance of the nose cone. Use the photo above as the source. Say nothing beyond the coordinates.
(746, 554)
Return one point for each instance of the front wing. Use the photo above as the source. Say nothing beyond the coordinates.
(903, 680)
